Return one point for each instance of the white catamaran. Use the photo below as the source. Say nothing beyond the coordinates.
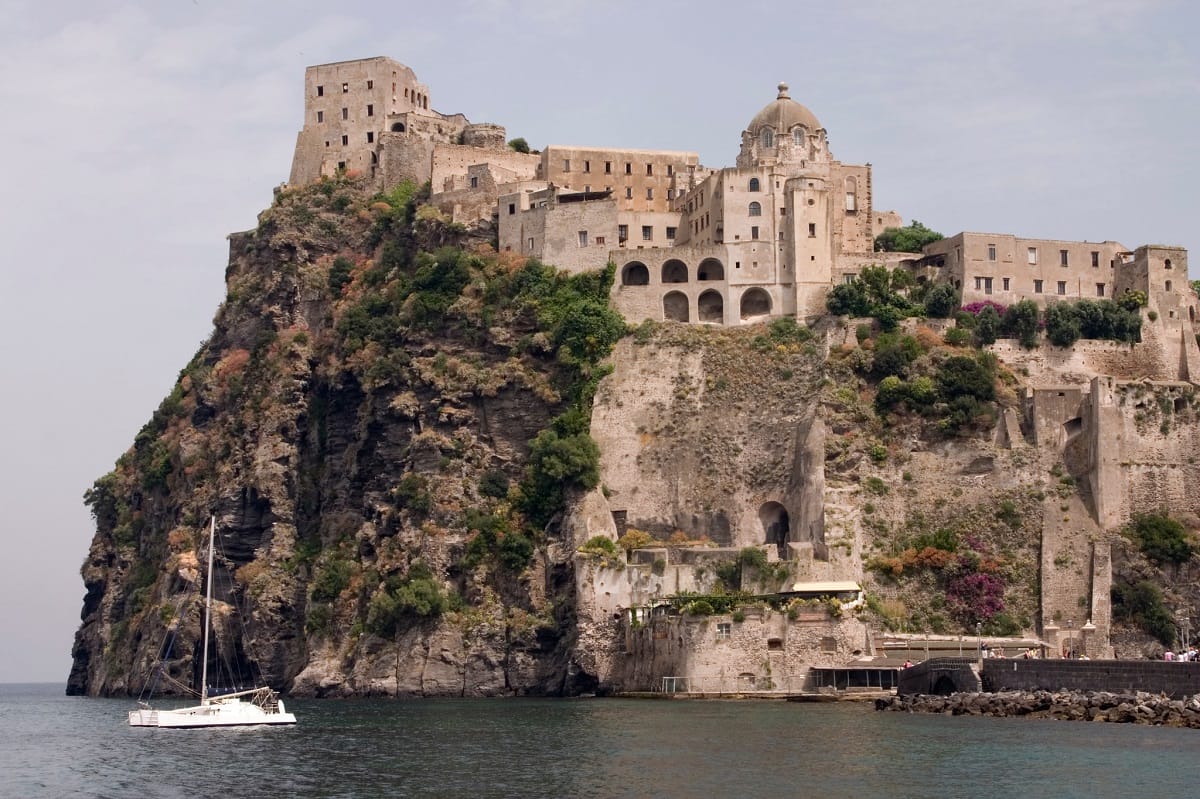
(253, 706)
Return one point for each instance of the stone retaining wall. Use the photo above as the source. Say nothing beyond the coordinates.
(1172, 679)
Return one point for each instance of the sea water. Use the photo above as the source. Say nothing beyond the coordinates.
(59, 746)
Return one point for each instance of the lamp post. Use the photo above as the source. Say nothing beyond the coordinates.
(979, 642)
(1086, 630)
(1067, 649)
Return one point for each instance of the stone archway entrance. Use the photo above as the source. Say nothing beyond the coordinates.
(675, 306)
(710, 307)
(776, 526)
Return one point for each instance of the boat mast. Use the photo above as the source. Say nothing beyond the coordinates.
(212, 536)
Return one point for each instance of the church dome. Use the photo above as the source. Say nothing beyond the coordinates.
(783, 114)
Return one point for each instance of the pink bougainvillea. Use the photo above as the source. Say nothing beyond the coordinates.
(975, 597)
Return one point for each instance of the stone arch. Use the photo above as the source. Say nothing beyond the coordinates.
(674, 271)
(635, 273)
(754, 186)
(768, 137)
(944, 686)
(799, 134)
(776, 526)
(710, 269)
(755, 209)
(710, 307)
(675, 307)
(1167, 263)
(397, 127)
(755, 302)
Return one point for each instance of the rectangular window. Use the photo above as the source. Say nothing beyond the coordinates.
(320, 116)
(1099, 289)
(370, 137)
(370, 110)
(978, 282)
(670, 194)
(345, 88)
(1062, 287)
(566, 165)
(647, 233)
(1062, 258)
(1095, 259)
(724, 629)
(622, 232)
(599, 241)
(628, 168)
(1006, 284)
(650, 194)
(1032, 254)
(991, 252)
(474, 182)
(531, 245)
(671, 234)
(583, 238)
(1037, 287)
(512, 208)
(987, 285)
(670, 170)
(345, 113)
(629, 192)
(370, 84)
(320, 91)
(608, 167)
(812, 230)
(649, 169)
(587, 166)
(345, 140)
(754, 232)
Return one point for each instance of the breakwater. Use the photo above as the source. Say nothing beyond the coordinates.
(1123, 708)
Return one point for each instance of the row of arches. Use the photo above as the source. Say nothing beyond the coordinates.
(636, 273)
(710, 306)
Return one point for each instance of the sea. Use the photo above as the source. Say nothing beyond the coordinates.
(59, 746)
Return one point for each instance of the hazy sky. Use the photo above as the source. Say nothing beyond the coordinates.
(139, 134)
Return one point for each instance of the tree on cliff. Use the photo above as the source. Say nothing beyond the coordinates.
(911, 238)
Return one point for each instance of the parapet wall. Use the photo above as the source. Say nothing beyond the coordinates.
(1152, 676)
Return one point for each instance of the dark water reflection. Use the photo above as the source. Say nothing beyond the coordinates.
(63, 746)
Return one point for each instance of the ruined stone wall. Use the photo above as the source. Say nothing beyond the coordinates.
(640, 180)
(403, 157)
(451, 161)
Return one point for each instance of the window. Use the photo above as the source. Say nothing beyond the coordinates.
(320, 91)
(1037, 287)
(345, 140)
(512, 208)
(670, 194)
(1167, 263)
(341, 164)
(566, 165)
(587, 166)
(1032, 255)
(1095, 259)
(649, 169)
(987, 285)
(1005, 284)
(650, 193)
(583, 238)
(724, 629)
(320, 116)
(629, 192)
(370, 110)
(768, 137)
(755, 209)
(671, 234)
(783, 211)
(371, 137)
(754, 184)
(978, 282)
(599, 241)
(647, 233)
(370, 84)
(1099, 289)
(798, 136)
(1168, 285)
(345, 113)
(474, 182)
(622, 232)
(1062, 287)
(345, 88)
(851, 195)
(812, 230)
(670, 170)
(531, 244)
(754, 232)
(608, 167)
(628, 168)
(991, 252)
(1062, 258)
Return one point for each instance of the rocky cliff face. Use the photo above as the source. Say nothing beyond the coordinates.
(360, 424)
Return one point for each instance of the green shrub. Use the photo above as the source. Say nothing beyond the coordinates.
(957, 337)
(332, 577)
(699, 607)
(875, 485)
(494, 483)
(600, 544)
(942, 301)
(1161, 538)
(1142, 604)
(1021, 321)
(412, 494)
(339, 275)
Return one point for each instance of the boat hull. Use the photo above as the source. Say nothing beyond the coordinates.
(233, 713)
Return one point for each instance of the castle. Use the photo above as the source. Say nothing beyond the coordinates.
(767, 238)
(764, 238)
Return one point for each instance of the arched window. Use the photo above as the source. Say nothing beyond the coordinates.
(754, 184)
(1167, 263)
(397, 127)
(755, 209)
(675, 306)
(710, 269)
(635, 273)
(674, 271)
(755, 302)
(711, 307)
(768, 137)
(798, 136)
